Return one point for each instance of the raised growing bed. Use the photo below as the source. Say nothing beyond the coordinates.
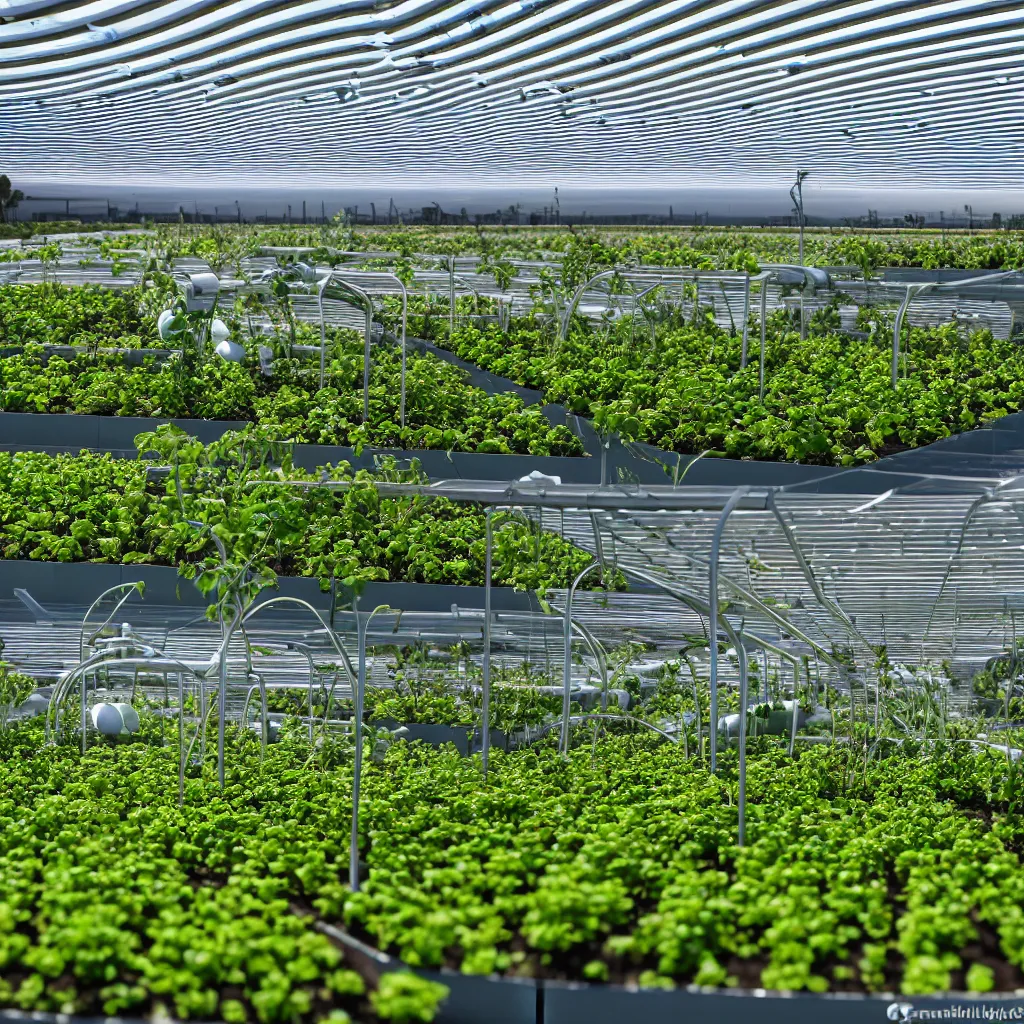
(78, 583)
(473, 999)
(70, 433)
(611, 1004)
(640, 463)
(499, 1000)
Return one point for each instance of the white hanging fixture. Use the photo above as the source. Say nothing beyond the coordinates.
(115, 719)
(163, 325)
(230, 351)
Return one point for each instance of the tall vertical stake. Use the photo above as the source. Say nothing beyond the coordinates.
(563, 740)
(713, 624)
(746, 319)
(485, 750)
(181, 739)
(741, 800)
(357, 728)
(764, 331)
(222, 692)
(451, 296)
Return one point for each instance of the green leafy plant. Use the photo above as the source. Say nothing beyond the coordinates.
(14, 689)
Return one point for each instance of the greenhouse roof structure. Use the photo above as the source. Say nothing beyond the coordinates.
(475, 93)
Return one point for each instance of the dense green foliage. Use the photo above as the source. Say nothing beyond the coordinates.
(115, 901)
(896, 873)
(88, 315)
(880, 876)
(442, 409)
(593, 248)
(828, 398)
(511, 707)
(98, 508)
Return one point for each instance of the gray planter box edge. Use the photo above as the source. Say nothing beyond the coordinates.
(473, 999)
(80, 583)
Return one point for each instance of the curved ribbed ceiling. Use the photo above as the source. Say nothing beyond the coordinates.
(534, 92)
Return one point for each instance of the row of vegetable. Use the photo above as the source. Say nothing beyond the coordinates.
(442, 409)
(704, 247)
(828, 397)
(97, 508)
(111, 903)
(899, 872)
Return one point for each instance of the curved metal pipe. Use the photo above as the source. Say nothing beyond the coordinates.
(261, 686)
(323, 329)
(63, 687)
(353, 860)
(599, 656)
(913, 290)
(364, 298)
(746, 319)
(405, 311)
(339, 647)
(304, 650)
(975, 507)
(106, 622)
(767, 610)
(563, 741)
(716, 544)
(571, 308)
(808, 573)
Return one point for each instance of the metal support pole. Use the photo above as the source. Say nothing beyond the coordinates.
(897, 329)
(741, 800)
(85, 729)
(181, 739)
(222, 675)
(401, 405)
(716, 544)
(357, 771)
(222, 696)
(264, 720)
(357, 730)
(323, 336)
(366, 363)
(201, 683)
(485, 749)
(563, 743)
(764, 331)
(451, 296)
(746, 320)
(796, 711)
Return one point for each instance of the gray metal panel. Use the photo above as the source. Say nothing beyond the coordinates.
(79, 583)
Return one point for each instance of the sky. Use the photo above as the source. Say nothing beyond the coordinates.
(755, 203)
